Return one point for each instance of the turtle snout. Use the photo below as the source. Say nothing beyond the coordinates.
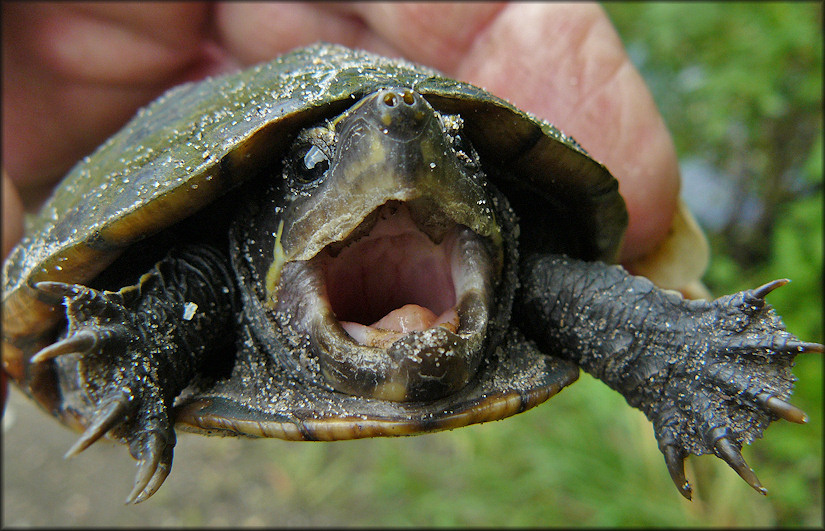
(401, 112)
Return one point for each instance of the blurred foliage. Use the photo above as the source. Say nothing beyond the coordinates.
(740, 86)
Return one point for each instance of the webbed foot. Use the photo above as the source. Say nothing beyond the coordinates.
(725, 397)
(119, 374)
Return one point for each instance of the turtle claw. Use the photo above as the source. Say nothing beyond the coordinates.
(804, 346)
(782, 409)
(762, 291)
(726, 450)
(114, 412)
(161, 472)
(675, 460)
(79, 343)
(56, 289)
(155, 462)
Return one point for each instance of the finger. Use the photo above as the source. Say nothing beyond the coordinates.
(67, 56)
(12, 216)
(178, 26)
(255, 32)
(440, 36)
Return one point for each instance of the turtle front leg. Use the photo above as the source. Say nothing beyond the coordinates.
(710, 375)
(133, 351)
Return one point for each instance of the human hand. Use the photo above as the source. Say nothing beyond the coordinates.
(74, 73)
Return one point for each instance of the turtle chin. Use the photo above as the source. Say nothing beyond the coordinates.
(397, 310)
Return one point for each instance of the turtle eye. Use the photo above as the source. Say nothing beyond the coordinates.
(311, 164)
(460, 144)
(464, 151)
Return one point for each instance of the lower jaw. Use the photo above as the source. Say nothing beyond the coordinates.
(421, 365)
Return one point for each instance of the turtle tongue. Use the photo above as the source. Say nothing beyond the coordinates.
(408, 318)
(398, 323)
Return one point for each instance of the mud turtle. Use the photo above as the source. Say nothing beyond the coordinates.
(336, 245)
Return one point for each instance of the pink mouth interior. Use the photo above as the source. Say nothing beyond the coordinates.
(393, 279)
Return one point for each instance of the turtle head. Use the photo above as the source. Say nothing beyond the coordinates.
(388, 251)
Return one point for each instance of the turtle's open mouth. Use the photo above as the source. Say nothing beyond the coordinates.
(389, 278)
(399, 308)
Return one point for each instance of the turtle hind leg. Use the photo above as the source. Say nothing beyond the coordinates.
(710, 375)
(128, 354)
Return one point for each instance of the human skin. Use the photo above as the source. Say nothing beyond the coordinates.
(74, 73)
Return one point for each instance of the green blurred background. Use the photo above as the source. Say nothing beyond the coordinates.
(740, 86)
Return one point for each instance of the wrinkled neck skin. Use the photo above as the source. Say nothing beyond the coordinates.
(392, 275)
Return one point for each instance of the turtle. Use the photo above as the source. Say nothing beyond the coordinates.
(336, 245)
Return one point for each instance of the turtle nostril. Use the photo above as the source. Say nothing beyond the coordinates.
(408, 97)
(390, 99)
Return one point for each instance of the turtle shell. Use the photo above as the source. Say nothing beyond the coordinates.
(201, 140)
